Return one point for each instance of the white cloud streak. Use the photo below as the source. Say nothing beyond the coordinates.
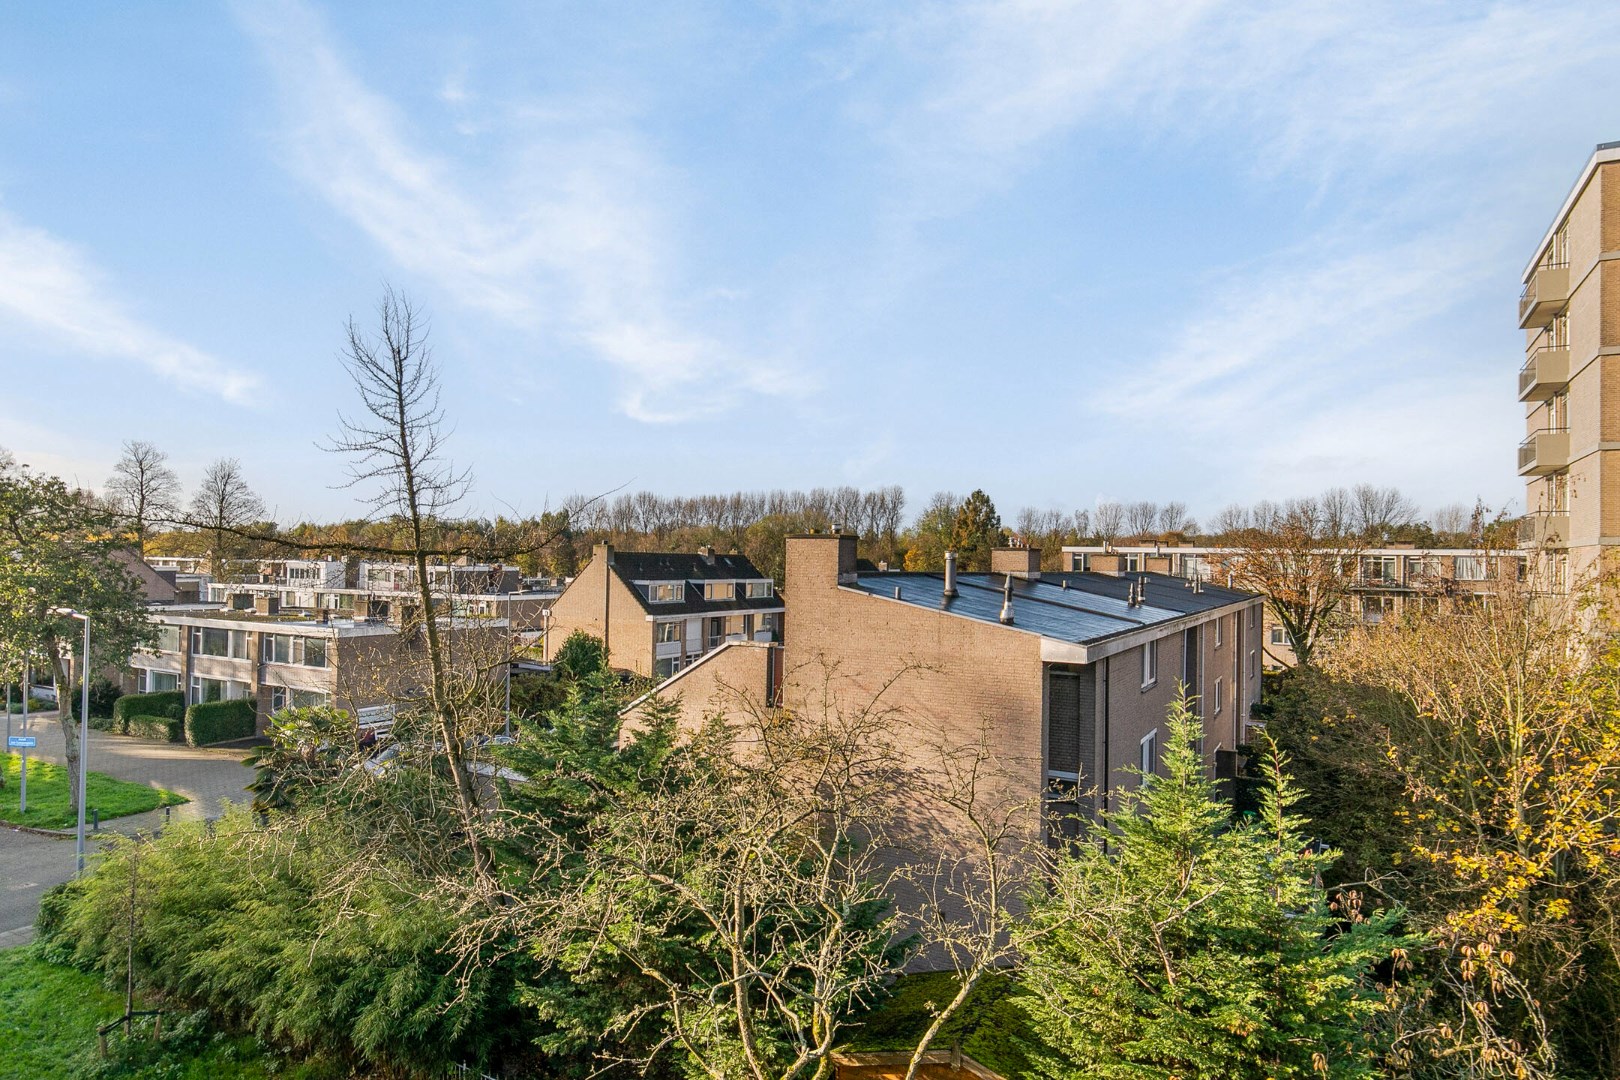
(51, 290)
(571, 240)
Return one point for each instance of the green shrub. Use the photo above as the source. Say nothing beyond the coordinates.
(162, 728)
(220, 721)
(104, 696)
(169, 704)
(34, 705)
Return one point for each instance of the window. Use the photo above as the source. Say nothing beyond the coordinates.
(1150, 753)
(668, 631)
(214, 641)
(1133, 564)
(1279, 636)
(313, 652)
(1150, 664)
(1380, 569)
(278, 649)
(666, 592)
(1469, 568)
(719, 590)
(1219, 619)
(204, 689)
(168, 638)
(1254, 664)
(1220, 693)
(285, 697)
(717, 632)
(664, 667)
(759, 590)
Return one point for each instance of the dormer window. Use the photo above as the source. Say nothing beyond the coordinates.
(666, 592)
(719, 590)
(759, 590)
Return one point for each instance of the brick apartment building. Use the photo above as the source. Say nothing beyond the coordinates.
(660, 613)
(1068, 675)
(1384, 583)
(277, 661)
(1569, 310)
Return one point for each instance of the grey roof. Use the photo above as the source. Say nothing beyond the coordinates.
(1092, 608)
(672, 566)
(634, 566)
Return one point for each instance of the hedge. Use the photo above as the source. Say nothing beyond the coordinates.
(162, 728)
(168, 704)
(220, 721)
(104, 695)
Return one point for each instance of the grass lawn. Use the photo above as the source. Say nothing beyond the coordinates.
(48, 803)
(48, 1020)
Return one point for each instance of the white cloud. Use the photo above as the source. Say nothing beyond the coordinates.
(570, 238)
(48, 288)
(1311, 86)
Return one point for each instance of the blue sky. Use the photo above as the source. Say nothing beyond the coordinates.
(1064, 252)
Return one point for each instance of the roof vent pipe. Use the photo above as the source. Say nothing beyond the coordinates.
(897, 592)
(1006, 602)
(950, 574)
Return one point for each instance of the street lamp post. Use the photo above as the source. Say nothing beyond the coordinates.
(84, 726)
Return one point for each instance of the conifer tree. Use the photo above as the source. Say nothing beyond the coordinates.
(1173, 943)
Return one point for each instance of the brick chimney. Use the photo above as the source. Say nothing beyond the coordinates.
(1020, 562)
(819, 561)
(1156, 564)
(1112, 563)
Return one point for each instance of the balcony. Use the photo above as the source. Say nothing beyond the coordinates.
(1545, 451)
(1545, 373)
(1539, 530)
(1545, 292)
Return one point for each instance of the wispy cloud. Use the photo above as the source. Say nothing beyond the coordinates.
(1318, 87)
(50, 289)
(570, 238)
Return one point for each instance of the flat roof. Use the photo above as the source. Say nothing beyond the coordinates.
(1602, 154)
(1078, 608)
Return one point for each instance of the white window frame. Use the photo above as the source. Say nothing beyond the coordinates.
(1219, 619)
(675, 632)
(1147, 754)
(1150, 663)
(759, 590)
(666, 592)
(1220, 693)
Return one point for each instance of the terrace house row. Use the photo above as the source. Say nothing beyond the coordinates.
(659, 613)
(1382, 582)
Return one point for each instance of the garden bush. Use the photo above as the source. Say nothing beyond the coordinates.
(104, 695)
(220, 721)
(162, 728)
(169, 704)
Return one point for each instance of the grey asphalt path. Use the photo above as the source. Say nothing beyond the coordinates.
(29, 863)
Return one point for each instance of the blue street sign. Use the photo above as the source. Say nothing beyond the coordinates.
(21, 742)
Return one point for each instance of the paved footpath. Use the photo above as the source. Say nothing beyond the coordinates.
(30, 863)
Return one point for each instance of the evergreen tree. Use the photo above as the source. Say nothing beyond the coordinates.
(1172, 943)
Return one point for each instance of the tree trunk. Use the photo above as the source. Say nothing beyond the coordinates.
(61, 671)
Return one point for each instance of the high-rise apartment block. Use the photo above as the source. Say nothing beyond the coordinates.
(1570, 382)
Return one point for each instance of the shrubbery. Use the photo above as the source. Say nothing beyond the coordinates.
(364, 973)
(210, 722)
(161, 728)
(169, 704)
(104, 696)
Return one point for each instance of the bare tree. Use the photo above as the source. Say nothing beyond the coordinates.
(1109, 521)
(143, 489)
(223, 505)
(396, 447)
(1173, 517)
(1141, 517)
(1451, 522)
(1376, 511)
(1302, 556)
(1230, 521)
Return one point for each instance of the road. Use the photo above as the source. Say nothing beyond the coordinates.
(30, 864)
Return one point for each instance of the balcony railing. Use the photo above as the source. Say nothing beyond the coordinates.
(1544, 529)
(1543, 295)
(1545, 373)
(1544, 452)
